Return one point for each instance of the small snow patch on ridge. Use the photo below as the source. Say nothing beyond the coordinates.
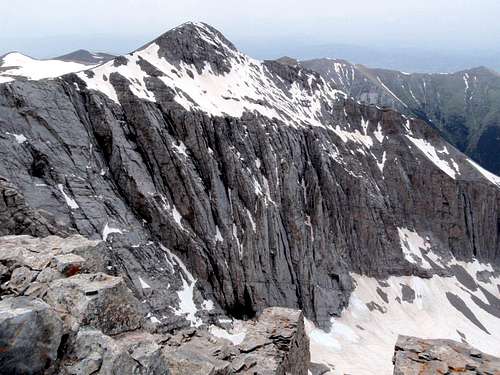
(187, 306)
(144, 285)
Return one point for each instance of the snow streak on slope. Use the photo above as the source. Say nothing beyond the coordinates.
(463, 308)
(16, 64)
(448, 167)
(248, 86)
(187, 305)
(494, 179)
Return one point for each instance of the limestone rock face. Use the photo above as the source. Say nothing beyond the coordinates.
(30, 335)
(262, 211)
(131, 353)
(414, 356)
(92, 323)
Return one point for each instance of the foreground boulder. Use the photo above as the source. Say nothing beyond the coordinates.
(131, 353)
(30, 335)
(414, 356)
(98, 300)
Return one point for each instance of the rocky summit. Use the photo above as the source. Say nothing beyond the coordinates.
(188, 209)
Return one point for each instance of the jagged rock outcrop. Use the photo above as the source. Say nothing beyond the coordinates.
(271, 195)
(415, 356)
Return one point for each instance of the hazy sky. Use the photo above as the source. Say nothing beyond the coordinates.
(50, 27)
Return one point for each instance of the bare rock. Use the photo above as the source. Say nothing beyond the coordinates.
(30, 335)
(68, 264)
(21, 279)
(98, 300)
(414, 356)
(275, 344)
(37, 253)
(132, 353)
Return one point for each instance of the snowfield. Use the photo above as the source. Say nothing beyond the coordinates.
(16, 64)
(464, 308)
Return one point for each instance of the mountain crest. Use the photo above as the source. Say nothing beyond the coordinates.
(197, 43)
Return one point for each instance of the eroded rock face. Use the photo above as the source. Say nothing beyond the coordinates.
(132, 353)
(414, 356)
(16, 217)
(261, 212)
(30, 335)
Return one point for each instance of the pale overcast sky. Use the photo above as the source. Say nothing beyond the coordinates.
(50, 27)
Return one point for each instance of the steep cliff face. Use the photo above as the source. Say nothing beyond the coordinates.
(463, 106)
(266, 182)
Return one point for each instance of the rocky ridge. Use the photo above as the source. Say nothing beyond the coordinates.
(254, 205)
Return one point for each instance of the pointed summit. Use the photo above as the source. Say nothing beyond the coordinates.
(197, 43)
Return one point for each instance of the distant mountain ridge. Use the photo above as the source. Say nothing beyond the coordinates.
(464, 106)
(86, 57)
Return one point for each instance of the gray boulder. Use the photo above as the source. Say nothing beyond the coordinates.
(97, 353)
(30, 335)
(98, 300)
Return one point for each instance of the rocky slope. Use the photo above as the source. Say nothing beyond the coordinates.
(463, 106)
(224, 185)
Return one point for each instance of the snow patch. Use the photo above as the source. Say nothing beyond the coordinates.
(430, 152)
(17, 64)
(236, 335)
(187, 306)
(412, 245)
(20, 138)
(69, 201)
(494, 179)
(382, 164)
(361, 341)
(144, 285)
(218, 235)
(109, 230)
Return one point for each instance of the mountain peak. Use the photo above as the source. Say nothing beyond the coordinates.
(196, 43)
